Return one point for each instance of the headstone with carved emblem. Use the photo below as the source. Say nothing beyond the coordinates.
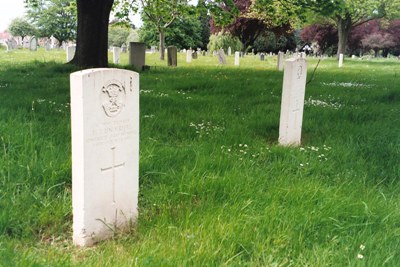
(292, 103)
(105, 152)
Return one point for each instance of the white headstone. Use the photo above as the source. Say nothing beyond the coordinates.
(229, 51)
(105, 152)
(292, 105)
(237, 58)
(116, 54)
(188, 56)
(280, 61)
(221, 56)
(33, 44)
(340, 60)
(70, 52)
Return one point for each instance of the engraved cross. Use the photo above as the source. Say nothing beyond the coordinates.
(112, 168)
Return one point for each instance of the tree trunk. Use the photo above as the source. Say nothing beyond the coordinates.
(162, 44)
(92, 33)
(343, 27)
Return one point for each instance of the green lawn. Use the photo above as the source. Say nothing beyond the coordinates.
(215, 187)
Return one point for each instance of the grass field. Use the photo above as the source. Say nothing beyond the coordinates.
(215, 187)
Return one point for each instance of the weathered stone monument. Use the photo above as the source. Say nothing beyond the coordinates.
(340, 60)
(188, 56)
(137, 55)
(33, 44)
(229, 51)
(237, 58)
(262, 56)
(292, 105)
(194, 55)
(105, 152)
(221, 56)
(172, 56)
(70, 52)
(280, 61)
(116, 54)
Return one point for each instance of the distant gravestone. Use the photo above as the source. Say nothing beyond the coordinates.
(262, 56)
(47, 45)
(280, 61)
(116, 55)
(13, 43)
(123, 48)
(105, 152)
(137, 55)
(153, 49)
(194, 55)
(33, 44)
(188, 56)
(172, 56)
(229, 51)
(70, 52)
(293, 91)
(340, 60)
(221, 56)
(237, 58)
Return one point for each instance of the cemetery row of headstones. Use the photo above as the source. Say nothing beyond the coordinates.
(105, 141)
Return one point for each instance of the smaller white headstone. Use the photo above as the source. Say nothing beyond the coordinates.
(292, 105)
(33, 44)
(116, 54)
(221, 56)
(229, 51)
(70, 52)
(105, 152)
(237, 58)
(280, 61)
(340, 60)
(188, 56)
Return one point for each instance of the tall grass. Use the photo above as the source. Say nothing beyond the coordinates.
(215, 187)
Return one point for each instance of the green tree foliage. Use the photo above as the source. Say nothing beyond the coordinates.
(117, 35)
(57, 18)
(21, 27)
(224, 40)
(204, 19)
(347, 14)
(271, 42)
(184, 32)
(162, 13)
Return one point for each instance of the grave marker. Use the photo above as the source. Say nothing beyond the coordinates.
(105, 152)
(280, 61)
(292, 105)
(137, 55)
(188, 56)
(237, 58)
(172, 56)
(33, 44)
(229, 51)
(70, 52)
(340, 60)
(221, 56)
(116, 54)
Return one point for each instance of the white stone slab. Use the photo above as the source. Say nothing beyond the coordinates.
(188, 56)
(70, 52)
(237, 58)
(280, 61)
(229, 51)
(340, 60)
(116, 54)
(292, 105)
(105, 152)
(33, 44)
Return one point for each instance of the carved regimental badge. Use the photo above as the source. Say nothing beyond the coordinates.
(113, 98)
